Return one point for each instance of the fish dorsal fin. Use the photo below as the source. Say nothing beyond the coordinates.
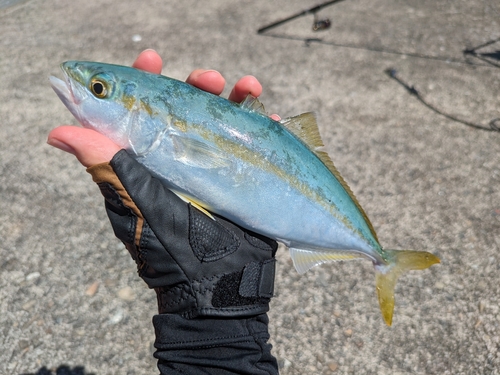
(304, 126)
(252, 103)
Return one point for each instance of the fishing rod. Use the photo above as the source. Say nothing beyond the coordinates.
(486, 57)
(322, 24)
(317, 25)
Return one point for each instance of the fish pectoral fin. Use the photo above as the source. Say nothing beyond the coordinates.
(386, 276)
(198, 206)
(198, 154)
(305, 259)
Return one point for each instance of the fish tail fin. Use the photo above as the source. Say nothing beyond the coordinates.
(387, 275)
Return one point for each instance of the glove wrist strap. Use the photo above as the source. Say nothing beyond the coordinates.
(237, 294)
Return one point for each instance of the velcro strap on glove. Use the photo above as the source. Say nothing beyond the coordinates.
(241, 293)
(258, 279)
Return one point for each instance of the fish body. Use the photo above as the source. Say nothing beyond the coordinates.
(231, 159)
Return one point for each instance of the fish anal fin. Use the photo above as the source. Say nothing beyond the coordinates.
(304, 259)
(305, 127)
(252, 103)
(386, 276)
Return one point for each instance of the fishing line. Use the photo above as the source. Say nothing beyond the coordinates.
(494, 125)
(322, 24)
(308, 41)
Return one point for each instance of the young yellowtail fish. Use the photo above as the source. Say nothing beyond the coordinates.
(231, 159)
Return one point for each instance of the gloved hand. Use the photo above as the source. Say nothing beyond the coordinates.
(198, 266)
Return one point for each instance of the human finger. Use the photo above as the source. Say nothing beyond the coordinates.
(89, 146)
(248, 85)
(245, 86)
(149, 60)
(207, 80)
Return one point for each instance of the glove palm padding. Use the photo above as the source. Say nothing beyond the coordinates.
(198, 266)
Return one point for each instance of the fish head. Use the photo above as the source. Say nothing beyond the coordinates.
(103, 97)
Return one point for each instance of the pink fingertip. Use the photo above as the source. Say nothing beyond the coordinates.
(150, 61)
(60, 145)
(207, 80)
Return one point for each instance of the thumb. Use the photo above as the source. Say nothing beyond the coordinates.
(89, 146)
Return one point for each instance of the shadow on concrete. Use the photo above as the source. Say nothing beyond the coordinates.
(491, 57)
(61, 370)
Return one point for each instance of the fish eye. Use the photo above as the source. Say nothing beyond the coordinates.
(99, 88)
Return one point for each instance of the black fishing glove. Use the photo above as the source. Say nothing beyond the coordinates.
(213, 279)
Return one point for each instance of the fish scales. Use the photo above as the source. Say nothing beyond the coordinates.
(247, 150)
(233, 160)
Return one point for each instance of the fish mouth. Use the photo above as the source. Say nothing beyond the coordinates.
(63, 89)
(69, 91)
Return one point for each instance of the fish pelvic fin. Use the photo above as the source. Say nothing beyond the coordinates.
(386, 276)
(193, 203)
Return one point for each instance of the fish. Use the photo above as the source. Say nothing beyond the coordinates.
(270, 177)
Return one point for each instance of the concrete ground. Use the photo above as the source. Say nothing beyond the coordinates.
(69, 293)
